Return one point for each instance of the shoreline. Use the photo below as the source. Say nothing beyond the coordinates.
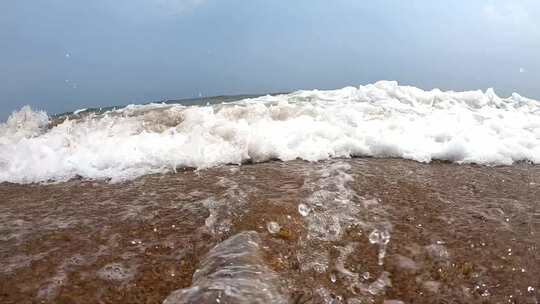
(141, 240)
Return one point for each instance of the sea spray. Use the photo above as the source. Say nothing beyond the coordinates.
(379, 120)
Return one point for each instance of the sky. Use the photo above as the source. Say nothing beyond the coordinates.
(62, 55)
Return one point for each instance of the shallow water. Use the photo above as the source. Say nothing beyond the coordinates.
(339, 231)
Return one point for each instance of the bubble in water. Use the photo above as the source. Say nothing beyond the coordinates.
(530, 289)
(303, 210)
(379, 237)
(273, 227)
(382, 238)
(116, 272)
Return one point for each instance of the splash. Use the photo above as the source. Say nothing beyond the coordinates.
(379, 120)
(232, 272)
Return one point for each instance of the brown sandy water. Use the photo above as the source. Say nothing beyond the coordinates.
(340, 231)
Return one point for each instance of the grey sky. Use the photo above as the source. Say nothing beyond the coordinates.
(61, 55)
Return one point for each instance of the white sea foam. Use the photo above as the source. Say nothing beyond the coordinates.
(381, 120)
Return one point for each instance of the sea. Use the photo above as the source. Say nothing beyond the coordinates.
(380, 193)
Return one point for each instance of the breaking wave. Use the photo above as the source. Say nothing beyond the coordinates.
(380, 120)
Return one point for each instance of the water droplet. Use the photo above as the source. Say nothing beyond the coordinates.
(303, 210)
(273, 227)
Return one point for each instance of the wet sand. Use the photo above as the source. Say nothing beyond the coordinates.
(340, 231)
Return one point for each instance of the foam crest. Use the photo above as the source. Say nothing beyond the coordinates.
(21, 124)
(380, 120)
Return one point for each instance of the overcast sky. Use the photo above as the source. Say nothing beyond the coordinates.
(60, 55)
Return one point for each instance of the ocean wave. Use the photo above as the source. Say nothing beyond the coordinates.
(379, 120)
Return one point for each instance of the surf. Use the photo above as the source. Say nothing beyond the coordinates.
(382, 120)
